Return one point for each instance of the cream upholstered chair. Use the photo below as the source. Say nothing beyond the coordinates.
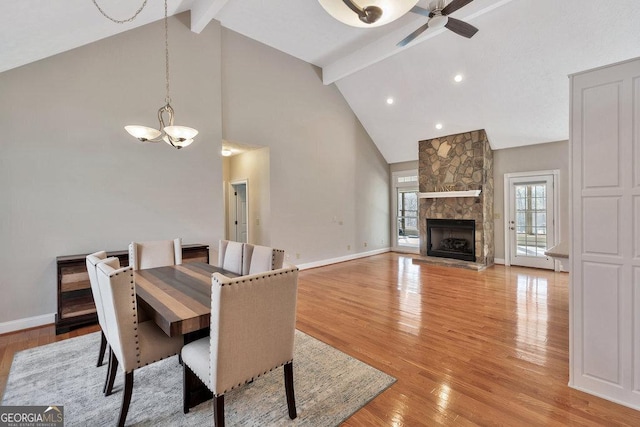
(159, 253)
(92, 260)
(253, 320)
(133, 344)
(234, 256)
(264, 258)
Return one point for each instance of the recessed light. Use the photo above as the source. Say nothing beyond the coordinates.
(226, 152)
(458, 78)
(438, 125)
(389, 100)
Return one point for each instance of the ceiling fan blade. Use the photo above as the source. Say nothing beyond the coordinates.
(422, 11)
(454, 5)
(461, 27)
(413, 35)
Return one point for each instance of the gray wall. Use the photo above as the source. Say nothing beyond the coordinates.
(403, 166)
(73, 181)
(329, 182)
(554, 155)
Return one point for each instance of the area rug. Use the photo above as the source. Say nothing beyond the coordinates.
(329, 386)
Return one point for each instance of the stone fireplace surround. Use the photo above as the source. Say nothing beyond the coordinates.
(458, 162)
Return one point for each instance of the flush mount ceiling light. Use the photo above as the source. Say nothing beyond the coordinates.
(367, 13)
(457, 78)
(438, 126)
(226, 152)
(176, 136)
(389, 100)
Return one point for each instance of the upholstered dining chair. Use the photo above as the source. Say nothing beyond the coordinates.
(158, 253)
(264, 258)
(133, 344)
(92, 260)
(234, 256)
(253, 320)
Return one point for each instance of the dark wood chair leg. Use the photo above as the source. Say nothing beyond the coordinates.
(186, 391)
(103, 347)
(218, 411)
(106, 379)
(113, 369)
(126, 398)
(288, 386)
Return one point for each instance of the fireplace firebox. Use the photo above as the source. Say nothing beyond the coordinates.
(451, 238)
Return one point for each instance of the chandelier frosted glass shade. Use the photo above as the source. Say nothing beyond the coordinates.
(180, 132)
(143, 133)
(391, 10)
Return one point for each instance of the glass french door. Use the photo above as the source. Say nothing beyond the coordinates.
(531, 220)
(407, 218)
(404, 221)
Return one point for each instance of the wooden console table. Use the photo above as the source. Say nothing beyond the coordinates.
(75, 301)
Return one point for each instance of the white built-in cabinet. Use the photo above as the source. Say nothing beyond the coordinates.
(605, 232)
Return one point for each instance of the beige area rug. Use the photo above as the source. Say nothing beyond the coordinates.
(329, 385)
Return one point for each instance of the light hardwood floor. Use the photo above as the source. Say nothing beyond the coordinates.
(467, 348)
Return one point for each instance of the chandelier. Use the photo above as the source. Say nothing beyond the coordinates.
(176, 136)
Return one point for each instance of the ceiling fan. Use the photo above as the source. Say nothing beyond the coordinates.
(438, 18)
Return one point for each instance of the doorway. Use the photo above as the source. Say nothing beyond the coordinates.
(405, 220)
(238, 211)
(530, 212)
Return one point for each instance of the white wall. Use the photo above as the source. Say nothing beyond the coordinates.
(329, 182)
(554, 155)
(73, 181)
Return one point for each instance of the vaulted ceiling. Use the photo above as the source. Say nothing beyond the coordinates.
(514, 69)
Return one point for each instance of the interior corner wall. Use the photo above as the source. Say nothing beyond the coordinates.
(329, 182)
(253, 166)
(73, 181)
(550, 156)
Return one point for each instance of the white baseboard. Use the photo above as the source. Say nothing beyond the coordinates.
(26, 323)
(498, 261)
(330, 261)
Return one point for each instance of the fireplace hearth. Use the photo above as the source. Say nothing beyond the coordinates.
(451, 238)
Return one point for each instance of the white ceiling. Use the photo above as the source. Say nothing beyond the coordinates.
(515, 68)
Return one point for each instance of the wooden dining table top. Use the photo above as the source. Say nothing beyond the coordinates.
(178, 297)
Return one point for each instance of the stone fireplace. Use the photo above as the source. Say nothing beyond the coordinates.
(452, 169)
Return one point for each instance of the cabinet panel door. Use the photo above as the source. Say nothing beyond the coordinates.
(605, 232)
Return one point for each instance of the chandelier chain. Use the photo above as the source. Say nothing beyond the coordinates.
(166, 50)
(118, 21)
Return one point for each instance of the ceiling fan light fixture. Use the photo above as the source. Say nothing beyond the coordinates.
(374, 13)
(438, 21)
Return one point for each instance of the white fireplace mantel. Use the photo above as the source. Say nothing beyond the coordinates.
(442, 194)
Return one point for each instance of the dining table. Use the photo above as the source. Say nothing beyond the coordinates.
(178, 297)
